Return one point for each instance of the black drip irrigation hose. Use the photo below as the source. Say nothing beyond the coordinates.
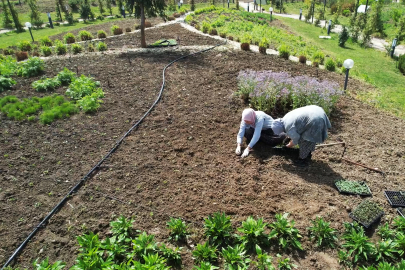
(42, 224)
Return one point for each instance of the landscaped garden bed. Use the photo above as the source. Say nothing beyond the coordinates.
(353, 187)
(367, 213)
(179, 163)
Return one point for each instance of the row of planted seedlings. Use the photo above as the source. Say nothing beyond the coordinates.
(240, 248)
(256, 28)
(47, 47)
(84, 92)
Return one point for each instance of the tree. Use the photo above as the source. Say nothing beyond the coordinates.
(152, 8)
(129, 6)
(101, 6)
(108, 5)
(343, 37)
(34, 14)
(85, 10)
(14, 15)
(192, 5)
(400, 34)
(375, 20)
(58, 10)
(6, 20)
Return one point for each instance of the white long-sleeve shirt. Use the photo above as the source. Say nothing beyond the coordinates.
(262, 122)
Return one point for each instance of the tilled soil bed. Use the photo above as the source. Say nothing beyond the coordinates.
(180, 162)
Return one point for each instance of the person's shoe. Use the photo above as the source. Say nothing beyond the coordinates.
(301, 163)
(309, 157)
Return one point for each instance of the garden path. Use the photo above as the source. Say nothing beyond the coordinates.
(376, 43)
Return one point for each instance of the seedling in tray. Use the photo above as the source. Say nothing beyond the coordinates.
(396, 198)
(367, 213)
(353, 187)
(401, 211)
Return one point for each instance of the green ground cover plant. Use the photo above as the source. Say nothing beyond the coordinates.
(60, 48)
(357, 244)
(322, 233)
(284, 233)
(101, 46)
(205, 253)
(252, 233)
(77, 48)
(6, 83)
(25, 46)
(8, 66)
(46, 84)
(32, 67)
(218, 228)
(235, 257)
(46, 41)
(263, 260)
(355, 187)
(46, 51)
(85, 35)
(82, 86)
(66, 76)
(178, 229)
(69, 38)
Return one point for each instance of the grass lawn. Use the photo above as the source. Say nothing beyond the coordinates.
(370, 65)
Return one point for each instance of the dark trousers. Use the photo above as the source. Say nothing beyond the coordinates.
(267, 136)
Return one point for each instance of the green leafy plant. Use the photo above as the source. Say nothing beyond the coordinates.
(65, 77)
(263, 260)
(25, 46)
(8, 66)
(77, 48)
(6, 83)
(45, 265)
(400, 243)
(90, 48)
(116, 30)
(46, 51)
(344, 258)
(385, 250)
(82, 86)
(172, 255)
(60, 48)
(399, 224)
(91, 103)
(101, 46)
(153, 261)
(45, 41)
(330, 65)
(205, 266)
(69, 38)
(318, 57)
(122, 227)
(285, 233)
(401, 63)
(284, 51)
(178, 229)
(114, 246)
(32, 67)
(218, 228)
(253, 232)
(322, 233)
(343, 36)
(46, 84)
(357, 244)
(144, 244)
(235, 257)
(285, 264)
(85, 35)
(101, 34)
(205, 253)
(206, 26)
(385, 232)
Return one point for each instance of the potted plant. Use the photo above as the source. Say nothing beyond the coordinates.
(264, 43)
(245, 42)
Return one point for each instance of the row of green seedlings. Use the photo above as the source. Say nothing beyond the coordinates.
(125, 252)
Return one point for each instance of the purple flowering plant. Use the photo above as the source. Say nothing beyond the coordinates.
(278, 91)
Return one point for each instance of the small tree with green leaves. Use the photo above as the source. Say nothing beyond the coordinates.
(108, 6)
(400, 33)
(34, 14)
(6, 16)
(343, 37)
(14, 15)
(192, 5)
(58, 10)
(101, 6)
(237, 4)
(375, 20)
(85, 10)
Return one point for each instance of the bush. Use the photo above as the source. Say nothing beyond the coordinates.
(343, 36)
(116, 30)
(92, 102)
(77, 48)
(65, 77)
(6, 83)
(60, 48)
(24, 46)
(21, 56)
(85, 35)
(46, 41)
(32, 67)
(284, 51)
(101, 46)
(100, 17)
(339, 63)
(401, 63)
(205, 27)
(46, 51)
(302, 59)
(8, 66)
(213, 32)
(90, 48)
(278, 91)
(127, 29)
(330, 65)
(69, 38)
(101, 34)
(346, 13)
(318, 57)
(45, 85)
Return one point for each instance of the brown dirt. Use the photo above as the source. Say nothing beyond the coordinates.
(181, 161)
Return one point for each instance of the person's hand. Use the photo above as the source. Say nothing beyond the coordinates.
(290, 144)
(246, 152)
(238, 151)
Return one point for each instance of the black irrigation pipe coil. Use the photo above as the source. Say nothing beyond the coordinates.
(113, 149)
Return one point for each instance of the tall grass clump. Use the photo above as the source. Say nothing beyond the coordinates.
(278, 91)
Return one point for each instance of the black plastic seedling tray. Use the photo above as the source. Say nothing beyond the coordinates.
(353, 193)
(401, 211)
(396, 198)
(375, 218)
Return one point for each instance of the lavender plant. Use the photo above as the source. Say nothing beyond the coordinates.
(269, 91)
